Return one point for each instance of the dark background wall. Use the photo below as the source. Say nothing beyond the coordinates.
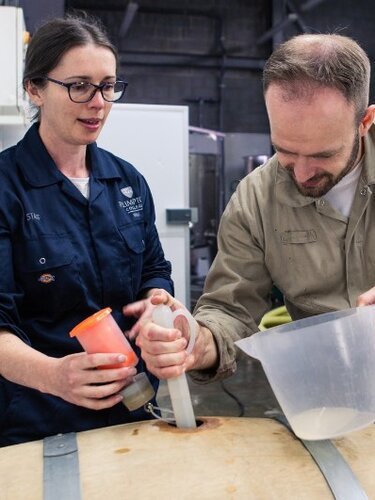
(209, 54)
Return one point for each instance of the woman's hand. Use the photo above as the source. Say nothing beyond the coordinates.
(77, 379)
(142, 309)
(74, 378)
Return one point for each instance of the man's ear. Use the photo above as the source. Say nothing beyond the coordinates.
(367, 120)
(34, 93)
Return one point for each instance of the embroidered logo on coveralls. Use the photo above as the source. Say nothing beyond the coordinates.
(127, 191)
(46, 278)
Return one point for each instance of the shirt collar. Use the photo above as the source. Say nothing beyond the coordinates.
(368, 171)
(285, 189)
(40, 170)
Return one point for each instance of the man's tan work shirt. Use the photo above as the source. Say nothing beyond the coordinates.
(269, 235)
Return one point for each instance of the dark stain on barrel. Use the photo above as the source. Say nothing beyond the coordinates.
(121, 451)
(204, 425)
(231, 488)
(135, 432)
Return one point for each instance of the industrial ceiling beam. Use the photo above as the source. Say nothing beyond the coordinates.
(310, 4)
(130, 12)
(95, 5)
(292, 15)
(189, 60)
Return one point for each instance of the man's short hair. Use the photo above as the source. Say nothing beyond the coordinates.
(307, 62)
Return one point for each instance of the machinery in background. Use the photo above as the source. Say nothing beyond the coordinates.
(243, 153)
(254, 161)
(206, 182)
(217, 163)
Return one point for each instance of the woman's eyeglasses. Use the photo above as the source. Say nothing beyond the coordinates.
(80, 92)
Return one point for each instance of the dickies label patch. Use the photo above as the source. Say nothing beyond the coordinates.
(46, 278)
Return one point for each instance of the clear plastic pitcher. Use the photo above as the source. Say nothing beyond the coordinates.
(322, 371)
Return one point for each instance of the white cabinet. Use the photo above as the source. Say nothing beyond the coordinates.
(155, 139)
(10, 134)
(12, 45)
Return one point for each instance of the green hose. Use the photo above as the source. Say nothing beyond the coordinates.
(276, 317)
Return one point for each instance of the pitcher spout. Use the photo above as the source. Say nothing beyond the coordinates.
(249, 345)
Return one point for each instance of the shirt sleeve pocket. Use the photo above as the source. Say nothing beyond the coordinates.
(134, 248)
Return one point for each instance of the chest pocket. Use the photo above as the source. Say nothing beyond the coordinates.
(298, 251)
(133, 234)
(298, 237)
(304, 264)
(48, 272)
(134, 237)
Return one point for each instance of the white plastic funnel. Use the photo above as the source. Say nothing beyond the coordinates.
(322, 371)
(178, 386)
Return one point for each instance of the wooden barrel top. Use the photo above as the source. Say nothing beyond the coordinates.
(224, 458)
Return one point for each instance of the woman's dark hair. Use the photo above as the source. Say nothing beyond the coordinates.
(56, 37)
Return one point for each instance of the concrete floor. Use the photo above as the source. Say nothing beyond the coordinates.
(246, 393)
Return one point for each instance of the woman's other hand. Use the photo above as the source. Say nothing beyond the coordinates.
(77, 379)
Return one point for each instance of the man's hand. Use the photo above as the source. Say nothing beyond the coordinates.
(164, 349)
(367, 298)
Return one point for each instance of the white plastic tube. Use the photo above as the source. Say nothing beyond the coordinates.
(178, 386)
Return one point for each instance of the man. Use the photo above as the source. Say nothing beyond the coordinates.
(303, 221)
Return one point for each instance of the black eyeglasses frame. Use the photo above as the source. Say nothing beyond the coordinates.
(96, 88)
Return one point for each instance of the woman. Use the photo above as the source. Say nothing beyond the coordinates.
(77, 234)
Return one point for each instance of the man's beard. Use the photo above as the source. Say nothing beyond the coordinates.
(330, 179)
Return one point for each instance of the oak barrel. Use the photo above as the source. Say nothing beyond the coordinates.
(224, 458)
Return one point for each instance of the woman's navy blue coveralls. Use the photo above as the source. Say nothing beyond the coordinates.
(63, 258)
